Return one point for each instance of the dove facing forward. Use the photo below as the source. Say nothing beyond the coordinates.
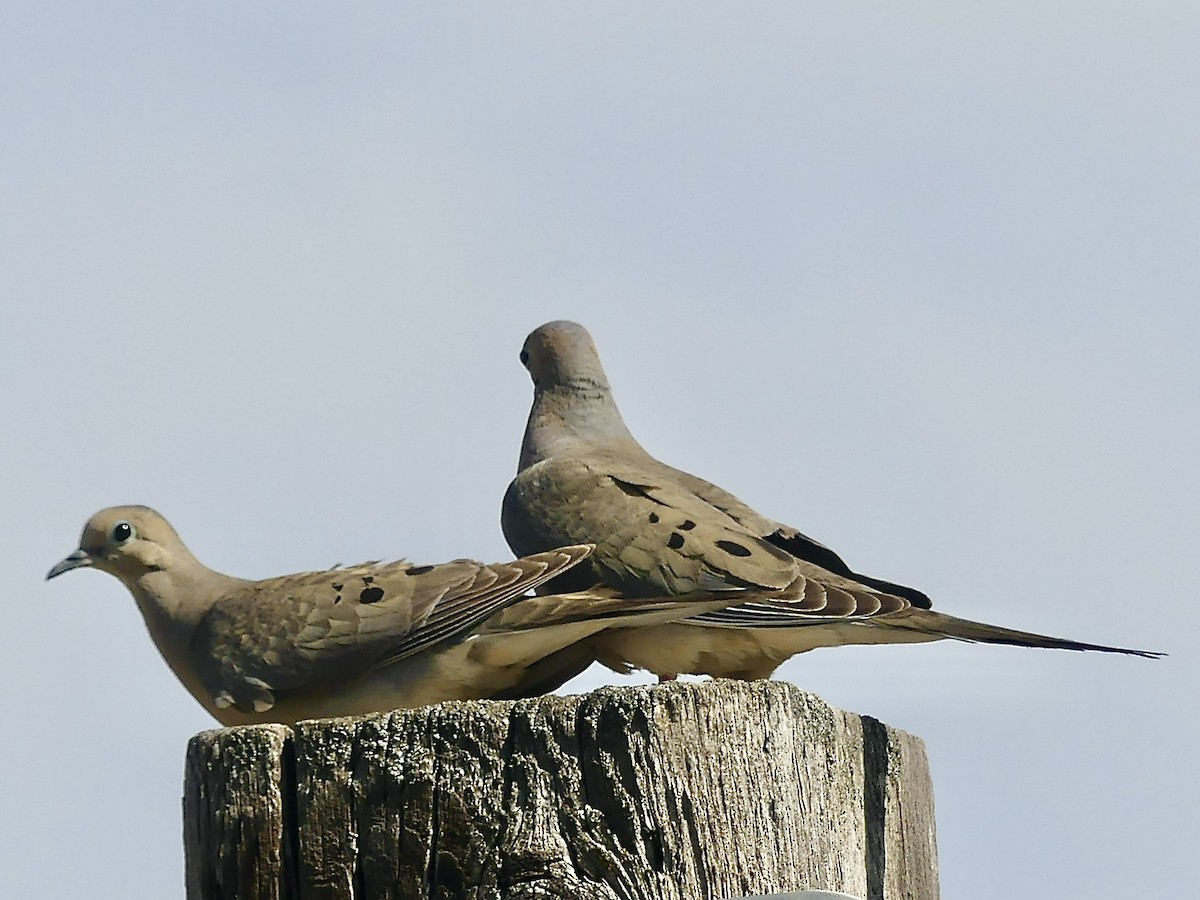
(582, 477)
(355, 639)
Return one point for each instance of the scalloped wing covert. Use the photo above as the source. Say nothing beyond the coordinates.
(652, 535)
(290, 633)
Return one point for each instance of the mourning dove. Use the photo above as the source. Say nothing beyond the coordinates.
(354, 639)
(582, 477)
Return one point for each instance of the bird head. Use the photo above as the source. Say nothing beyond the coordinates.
(125, 541)
(562, 355)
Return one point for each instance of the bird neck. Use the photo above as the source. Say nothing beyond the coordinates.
(173, 601)
(572, 416)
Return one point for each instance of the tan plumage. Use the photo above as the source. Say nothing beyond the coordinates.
(583, 478)
(353, 639)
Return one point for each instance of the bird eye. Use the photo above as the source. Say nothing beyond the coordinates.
(524, 357)
(122, 532)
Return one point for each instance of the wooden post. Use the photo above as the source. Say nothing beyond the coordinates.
(692, 791)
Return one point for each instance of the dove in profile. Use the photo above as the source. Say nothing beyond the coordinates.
(355, 639)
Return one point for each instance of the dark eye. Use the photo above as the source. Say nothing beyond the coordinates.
(122, 532)
(524, 357)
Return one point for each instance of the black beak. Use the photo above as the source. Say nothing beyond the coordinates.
(77, 560)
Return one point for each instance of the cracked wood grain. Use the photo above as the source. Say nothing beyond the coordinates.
(671, 792)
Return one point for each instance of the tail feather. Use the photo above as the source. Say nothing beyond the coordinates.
(604, 610)
(977, 632)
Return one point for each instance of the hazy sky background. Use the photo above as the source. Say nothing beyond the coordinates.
(921, 279)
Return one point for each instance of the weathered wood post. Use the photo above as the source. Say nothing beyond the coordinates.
(673, 792)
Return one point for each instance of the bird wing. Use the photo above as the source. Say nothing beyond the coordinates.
(652, 535)
(787, 538)
(302, 632)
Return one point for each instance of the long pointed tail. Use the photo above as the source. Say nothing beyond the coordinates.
(942, 625)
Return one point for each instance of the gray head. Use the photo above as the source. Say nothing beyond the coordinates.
(573, 406)
(562, 356)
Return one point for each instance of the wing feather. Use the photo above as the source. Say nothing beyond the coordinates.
(297, 633)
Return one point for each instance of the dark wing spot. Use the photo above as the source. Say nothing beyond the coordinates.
(337, 599)
(367, 579)
(418, 570)
(371, 595)
(653, 518)
(675, 541)
(631, 489)
(734, 549)
(338, 587)
(687, 525)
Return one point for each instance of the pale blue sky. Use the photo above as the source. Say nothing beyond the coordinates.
(921, 280)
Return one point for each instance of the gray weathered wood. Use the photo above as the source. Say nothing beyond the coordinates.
(672, 792)
(234, 818)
